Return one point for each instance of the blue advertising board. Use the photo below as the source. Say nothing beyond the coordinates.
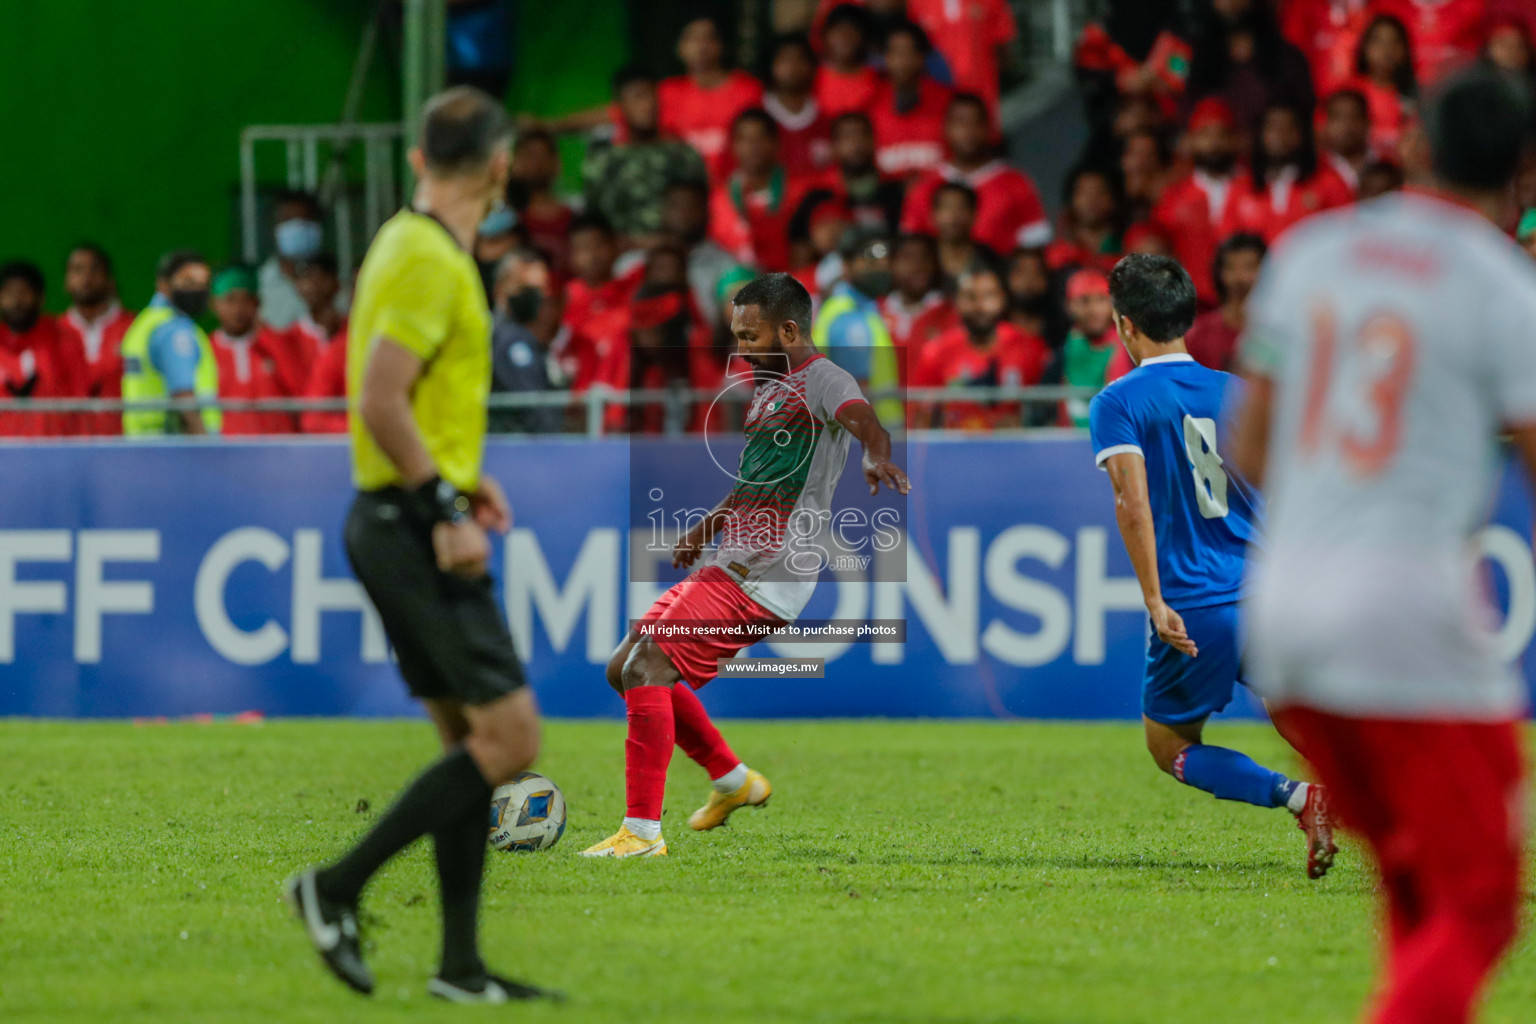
(177, 579)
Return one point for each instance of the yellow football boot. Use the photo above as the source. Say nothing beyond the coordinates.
(753, 793)
(625, 843)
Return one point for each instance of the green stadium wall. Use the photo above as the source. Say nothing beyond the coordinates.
(122, 120)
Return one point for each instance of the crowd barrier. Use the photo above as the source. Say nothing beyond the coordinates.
(185, 578)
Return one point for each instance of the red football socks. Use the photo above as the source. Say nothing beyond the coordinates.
(648, 750)
(697, 735)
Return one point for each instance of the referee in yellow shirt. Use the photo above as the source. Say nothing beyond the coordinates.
(418, 373)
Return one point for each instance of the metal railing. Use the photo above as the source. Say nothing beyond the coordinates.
(307, 166)
(592, 405)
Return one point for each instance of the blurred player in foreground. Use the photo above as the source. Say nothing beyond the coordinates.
(1389, 348)
(418, 373)
(1186, 523)
(805, 411)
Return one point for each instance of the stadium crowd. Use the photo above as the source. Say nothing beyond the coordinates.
(867, 161)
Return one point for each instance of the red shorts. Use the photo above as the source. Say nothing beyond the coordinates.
(1440, 802)
(716, 614)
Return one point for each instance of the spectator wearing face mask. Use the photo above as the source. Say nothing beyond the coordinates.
(1009, 214)
(984, 349)
(1285, 181)
(97, 317)
(166, 355)
(254, 361)
(850, 330)
(298, 234)
(47, 359)
(1212, 340)
(526, 322)
(908, 112)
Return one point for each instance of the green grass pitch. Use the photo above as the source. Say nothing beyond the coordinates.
(905, 872)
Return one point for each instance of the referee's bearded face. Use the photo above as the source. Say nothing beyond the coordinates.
(758, 340)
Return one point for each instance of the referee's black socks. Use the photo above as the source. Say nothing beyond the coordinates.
(445, 796)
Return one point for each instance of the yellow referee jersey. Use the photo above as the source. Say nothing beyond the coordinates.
(417, 288)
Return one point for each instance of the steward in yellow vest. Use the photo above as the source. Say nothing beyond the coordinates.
(166, 355)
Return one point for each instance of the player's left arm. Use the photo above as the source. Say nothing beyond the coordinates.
(1133, 514)
(860, 420)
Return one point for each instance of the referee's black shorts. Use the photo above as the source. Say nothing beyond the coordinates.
(448, 633)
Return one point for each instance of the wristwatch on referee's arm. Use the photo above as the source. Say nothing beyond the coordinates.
(438, 501)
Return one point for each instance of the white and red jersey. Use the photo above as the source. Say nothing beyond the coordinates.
(101, 340)
(1397, 336)
(795, 453)
(911, 140)
(702, 117)
(1009, 214)
(805, 136)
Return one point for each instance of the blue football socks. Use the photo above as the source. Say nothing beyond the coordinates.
(1230, 775)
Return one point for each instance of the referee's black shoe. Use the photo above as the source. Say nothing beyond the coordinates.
(489, 988)
(332, 930)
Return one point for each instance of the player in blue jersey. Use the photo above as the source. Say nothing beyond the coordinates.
(1186, 522)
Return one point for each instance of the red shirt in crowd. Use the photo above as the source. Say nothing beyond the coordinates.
(1389, 113)
(1445, 33)
(1269, 210)
(1009, 214)
(1013, 358)
(305, 340)
(1327, 33)
(49, 363)
(1190, 212)
(910, 142)
(595, 349)
(805, 138)
(548, 231)
(968, 33)
(754, 226)
(1064, 253)
(914, 325)
(1212, 341)
(328, 379)
(838, 93)
(102, 342)
(702, 117)
(263, 364)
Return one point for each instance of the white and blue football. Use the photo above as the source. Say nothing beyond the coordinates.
(527, 814)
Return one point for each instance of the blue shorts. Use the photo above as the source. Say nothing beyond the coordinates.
(1179, 689)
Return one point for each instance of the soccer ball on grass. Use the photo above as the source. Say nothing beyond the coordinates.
(527, 814)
